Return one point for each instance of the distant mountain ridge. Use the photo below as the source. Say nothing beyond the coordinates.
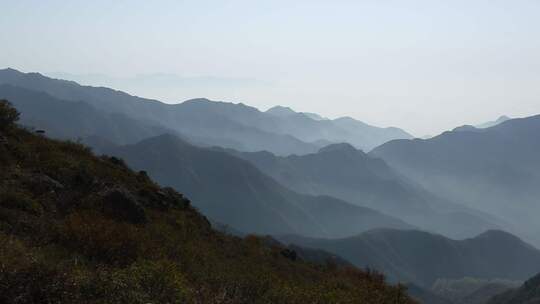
(528, 293)
(496, 169)
(342, 171)
(243, 127)
(76, 120)
(421, 257)
(493, 123)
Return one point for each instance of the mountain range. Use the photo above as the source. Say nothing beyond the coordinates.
(232, 191)
(493, 123)
(76, 120)
(528, 293)
(267, 208)
(338, 170)
(342, 171)
(496, 169)
(216, 123)
(422, 258)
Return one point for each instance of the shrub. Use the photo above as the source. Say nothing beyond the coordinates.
(8, 114)
(20, 201)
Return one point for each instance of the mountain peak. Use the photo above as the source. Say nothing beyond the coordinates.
(340, 147)
(168, 138)
(280, 111)
(345, 119)
(465, 128)
(497, 234)
(9, 74)
(9, 70)
(503, 118)
(198, 100)
(489, 124)
(314, 116)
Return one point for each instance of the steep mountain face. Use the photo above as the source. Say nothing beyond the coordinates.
(529, 293)
(75, 228)
(422, 258)
(496, 170)
(341, 171)
(233, 192)
(242, 127)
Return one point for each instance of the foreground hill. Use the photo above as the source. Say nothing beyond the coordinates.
(341, 171)
(496, 169)
(422, 258)
(529, 293)
(217, 123)
(75, 228)
(232, 191)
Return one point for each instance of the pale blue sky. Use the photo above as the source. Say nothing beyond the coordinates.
(425, 65)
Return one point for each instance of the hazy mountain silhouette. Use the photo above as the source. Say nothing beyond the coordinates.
(496, 169)
(72, 120)
(193, 118)
(244, 127)
(310, 127)
(234, 192)
(471, 290)
(314, 116)
(425, 296)
(493, 123)
(280, 111)
(341, 171)
(529, 293)
(422, 258)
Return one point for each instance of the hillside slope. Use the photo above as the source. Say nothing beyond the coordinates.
(422, 258)
(75, 228)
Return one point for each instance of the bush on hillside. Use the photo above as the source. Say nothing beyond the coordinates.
(8, 114)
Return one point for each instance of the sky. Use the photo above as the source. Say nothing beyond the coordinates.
(425, 66)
